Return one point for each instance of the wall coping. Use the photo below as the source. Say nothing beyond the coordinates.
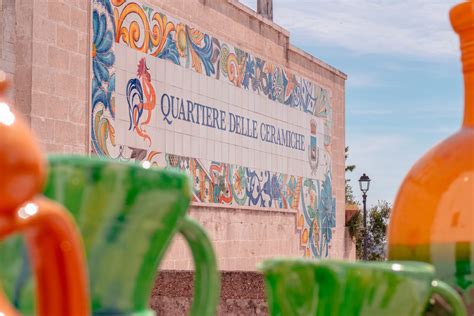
(257, 16)
(290, 48)
(317, 61)
(242, 208)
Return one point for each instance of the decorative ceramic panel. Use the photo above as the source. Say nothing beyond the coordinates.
(249, 132)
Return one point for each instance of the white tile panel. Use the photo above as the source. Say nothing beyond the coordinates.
(120, 57)
(169, 140)
(121, 80)
(121, 108)
(187, 150)
(131, 61)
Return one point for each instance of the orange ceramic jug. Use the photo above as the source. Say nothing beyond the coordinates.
(53, 241)
(433, 215)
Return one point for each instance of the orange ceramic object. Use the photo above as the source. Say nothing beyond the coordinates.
(433, 215)
(52, 238)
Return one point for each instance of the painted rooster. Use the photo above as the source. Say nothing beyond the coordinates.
(141, 97)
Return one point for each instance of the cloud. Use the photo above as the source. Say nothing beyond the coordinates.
(418, 113)
(362, 80)
(384, 44)
(409, 28)
(387, 157)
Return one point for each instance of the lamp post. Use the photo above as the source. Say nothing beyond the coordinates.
(364, 183)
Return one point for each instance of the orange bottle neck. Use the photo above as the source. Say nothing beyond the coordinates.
(466, 38)
(468, 99)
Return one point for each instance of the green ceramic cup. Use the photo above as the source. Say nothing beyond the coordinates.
(337, 288)
(127, 214)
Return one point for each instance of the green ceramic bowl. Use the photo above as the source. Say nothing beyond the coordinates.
(339, 288)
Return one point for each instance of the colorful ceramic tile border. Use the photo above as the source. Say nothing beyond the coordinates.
(155, 34)
(227, 184)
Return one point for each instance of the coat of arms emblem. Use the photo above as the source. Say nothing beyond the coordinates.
(313, 152)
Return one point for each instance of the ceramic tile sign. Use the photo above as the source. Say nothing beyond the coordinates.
(248, 132)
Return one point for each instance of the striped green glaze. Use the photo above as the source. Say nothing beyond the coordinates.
(336, 288)
(127, 215)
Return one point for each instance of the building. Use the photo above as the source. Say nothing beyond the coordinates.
(207, 86)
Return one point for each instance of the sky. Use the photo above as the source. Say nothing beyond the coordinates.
(404, 89)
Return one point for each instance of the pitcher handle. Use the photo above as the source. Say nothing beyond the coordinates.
(450, 295)
(5, 307)
(54, 245)
(207, 280)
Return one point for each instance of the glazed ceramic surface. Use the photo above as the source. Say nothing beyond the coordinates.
(433, 215)
(128, 214)
(336, 288)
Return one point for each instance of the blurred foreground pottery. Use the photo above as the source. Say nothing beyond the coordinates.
(433, 215)
(128, 214)
(336, 288)
(52, 239)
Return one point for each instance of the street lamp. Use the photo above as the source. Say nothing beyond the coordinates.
(364, 183)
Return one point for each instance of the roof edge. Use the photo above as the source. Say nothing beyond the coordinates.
(318, 61)
(290, 48)
(257, 16)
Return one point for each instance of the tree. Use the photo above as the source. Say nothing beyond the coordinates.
(350, 199)
(379, 216)
(349, 168)
(377, 222)
(356, 230)
(355, 224)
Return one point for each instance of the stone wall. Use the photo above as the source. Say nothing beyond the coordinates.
(49, 63)
(45, 47)
(7, 40)
(242, 238)
(246, 29)
(242, 293)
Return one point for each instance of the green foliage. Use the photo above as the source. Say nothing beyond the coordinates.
(379, 216)
(356, 226)
(350, 199)
(377, 223)
(349, 168)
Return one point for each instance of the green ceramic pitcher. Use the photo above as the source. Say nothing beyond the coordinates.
(127, 214)
(337, 288)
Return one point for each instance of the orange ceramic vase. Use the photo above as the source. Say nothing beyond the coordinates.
(54, 243)
(433, 215)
